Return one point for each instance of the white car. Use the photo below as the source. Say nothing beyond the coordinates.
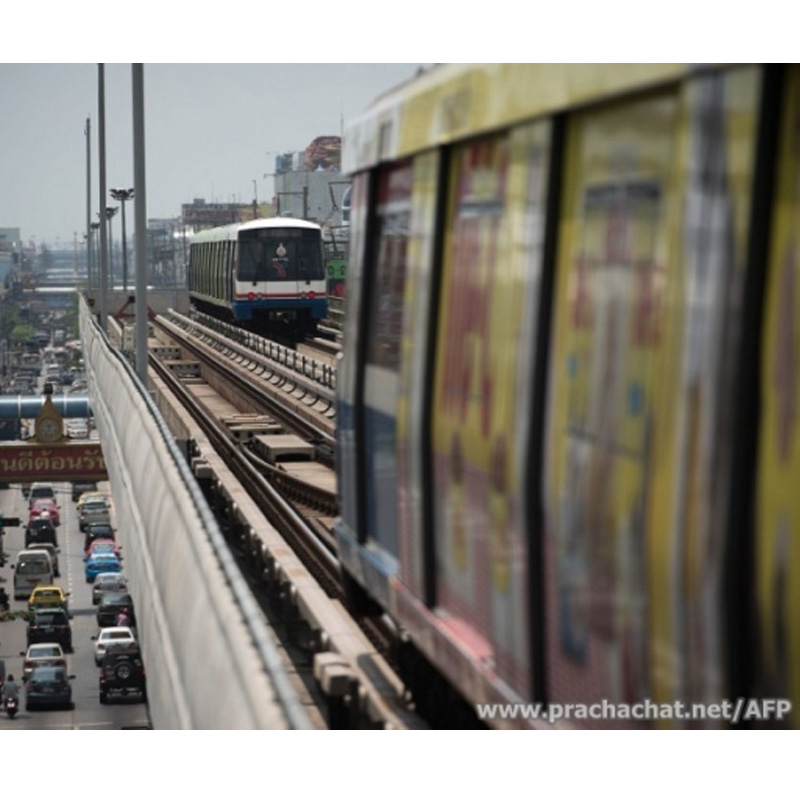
(42, 655)
(107, 636)
(77, 429)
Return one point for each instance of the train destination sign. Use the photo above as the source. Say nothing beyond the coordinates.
(57, 462)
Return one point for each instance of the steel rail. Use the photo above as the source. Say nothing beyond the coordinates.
(311, 432)
(303, 538)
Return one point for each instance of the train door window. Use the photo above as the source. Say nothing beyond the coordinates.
(384, 330)
(348, 375)
(413, 391)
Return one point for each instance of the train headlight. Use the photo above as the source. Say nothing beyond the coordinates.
(251, 296)
(312, 295)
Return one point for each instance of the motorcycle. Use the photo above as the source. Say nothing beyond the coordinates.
(11, 706)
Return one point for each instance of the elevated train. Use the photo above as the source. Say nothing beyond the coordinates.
(569, 401)
(266, 274)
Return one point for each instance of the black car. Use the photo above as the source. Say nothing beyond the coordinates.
(79, 487)
(48, 686)
(111, 606)
(40, 531)
(50, 625)
(122, 672)
(97, 530)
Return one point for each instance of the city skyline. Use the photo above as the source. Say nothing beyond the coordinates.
(212, 131)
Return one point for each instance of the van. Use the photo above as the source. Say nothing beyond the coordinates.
(33, 567)
(51, 550)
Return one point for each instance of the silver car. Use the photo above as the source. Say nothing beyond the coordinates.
(93, 511)
(108, 582)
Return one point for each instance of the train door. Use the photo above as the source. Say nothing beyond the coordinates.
(485, 359)
(651, 252)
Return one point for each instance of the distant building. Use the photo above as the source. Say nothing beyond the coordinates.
(198, 214)
(309, 184)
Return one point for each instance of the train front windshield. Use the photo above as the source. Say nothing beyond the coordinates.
(283, 254)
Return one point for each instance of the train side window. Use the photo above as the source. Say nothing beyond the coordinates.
(384, 333)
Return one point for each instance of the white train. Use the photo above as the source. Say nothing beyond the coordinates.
(261, 274)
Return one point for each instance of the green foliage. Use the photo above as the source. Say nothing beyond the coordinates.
(70, 321)
(9, 319)
(22, 332)
(9, 616)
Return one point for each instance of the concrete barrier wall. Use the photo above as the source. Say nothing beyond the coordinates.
(210, 661)
(159, 300)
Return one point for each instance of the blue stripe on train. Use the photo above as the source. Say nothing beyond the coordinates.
(243, 309)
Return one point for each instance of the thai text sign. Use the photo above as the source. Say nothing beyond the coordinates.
(59, 462)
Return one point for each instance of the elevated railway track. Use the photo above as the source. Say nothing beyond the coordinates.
(258, 421)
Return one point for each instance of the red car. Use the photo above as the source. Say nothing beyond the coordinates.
(45, 506)
(103, 545)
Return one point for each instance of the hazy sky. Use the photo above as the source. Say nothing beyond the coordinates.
(210, 130)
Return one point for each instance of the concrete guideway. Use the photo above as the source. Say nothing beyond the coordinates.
(348, 668)
(200, 628)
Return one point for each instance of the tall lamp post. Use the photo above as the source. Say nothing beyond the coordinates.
(110, 211)
(123, 195)
(95, 226)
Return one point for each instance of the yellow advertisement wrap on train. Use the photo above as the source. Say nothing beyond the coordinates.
(609, 344)
(651, 254)
(410, 397)
(484, 364)
(777, 548)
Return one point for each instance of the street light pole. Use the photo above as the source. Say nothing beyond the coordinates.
(101, 133)
(140, 215)
(110, 212)
(94, 268)
(123, 195)
(88, 132)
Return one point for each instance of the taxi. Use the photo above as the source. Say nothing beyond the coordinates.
(48, 597)
(89, 497)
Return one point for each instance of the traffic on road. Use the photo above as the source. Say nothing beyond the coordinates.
(64, 656)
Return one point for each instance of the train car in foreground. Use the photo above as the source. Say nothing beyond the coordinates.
(568, 406)
(266, 274)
